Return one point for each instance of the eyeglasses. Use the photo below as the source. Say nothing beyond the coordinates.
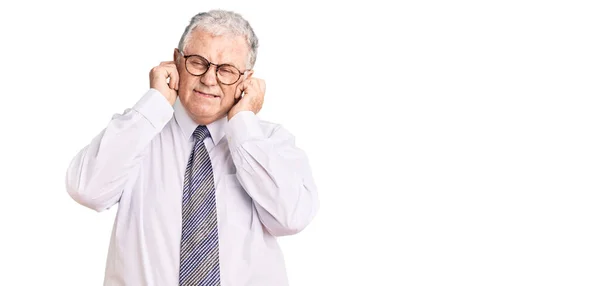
(198, 66)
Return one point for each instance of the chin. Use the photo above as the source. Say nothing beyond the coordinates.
(200, 110)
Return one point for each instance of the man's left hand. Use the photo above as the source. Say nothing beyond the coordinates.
(254, 95)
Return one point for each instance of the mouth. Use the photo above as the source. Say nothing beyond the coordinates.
(207, 95)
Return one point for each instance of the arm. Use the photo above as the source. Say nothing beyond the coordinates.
(99, 172)
(274, 173)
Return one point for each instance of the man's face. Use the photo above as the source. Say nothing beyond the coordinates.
(204, 97)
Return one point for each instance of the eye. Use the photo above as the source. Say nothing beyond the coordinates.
(227, 70)
(196, 62)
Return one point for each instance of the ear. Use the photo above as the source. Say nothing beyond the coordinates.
(250, 73)
(176, 55)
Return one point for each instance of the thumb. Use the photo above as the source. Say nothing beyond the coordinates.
(240, 89)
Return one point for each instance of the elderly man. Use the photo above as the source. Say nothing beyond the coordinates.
(204, 186)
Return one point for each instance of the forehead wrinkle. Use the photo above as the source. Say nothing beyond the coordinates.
(203, 44)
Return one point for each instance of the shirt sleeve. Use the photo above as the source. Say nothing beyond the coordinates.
(274, 172)
(97, 175)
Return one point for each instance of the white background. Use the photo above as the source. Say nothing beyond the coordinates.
(453, 142)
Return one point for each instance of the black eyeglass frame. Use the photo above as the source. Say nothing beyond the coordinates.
(240, 73)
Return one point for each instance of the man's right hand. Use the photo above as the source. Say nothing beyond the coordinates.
(165, 79)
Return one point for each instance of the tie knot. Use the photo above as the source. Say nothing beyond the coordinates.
(201, 132)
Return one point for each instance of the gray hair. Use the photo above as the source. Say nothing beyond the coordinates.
(220, 22)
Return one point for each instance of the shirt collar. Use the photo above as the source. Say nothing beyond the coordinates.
(187, 124)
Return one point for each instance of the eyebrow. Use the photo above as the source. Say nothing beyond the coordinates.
(228, 63)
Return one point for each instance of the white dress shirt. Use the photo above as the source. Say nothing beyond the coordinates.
(264, 189)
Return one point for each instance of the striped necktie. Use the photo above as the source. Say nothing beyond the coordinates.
(199, 255)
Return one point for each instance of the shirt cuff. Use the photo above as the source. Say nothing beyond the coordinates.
(155, 108)
(243, 127)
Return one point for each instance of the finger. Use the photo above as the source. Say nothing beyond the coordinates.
(256, 86)
(174, 78)
(241, 88)
(263, 85)
(172, 74)
(171, 78)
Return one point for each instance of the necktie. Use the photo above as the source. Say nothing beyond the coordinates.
(199, 255)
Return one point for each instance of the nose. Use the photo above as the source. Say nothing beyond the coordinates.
(209, 78)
